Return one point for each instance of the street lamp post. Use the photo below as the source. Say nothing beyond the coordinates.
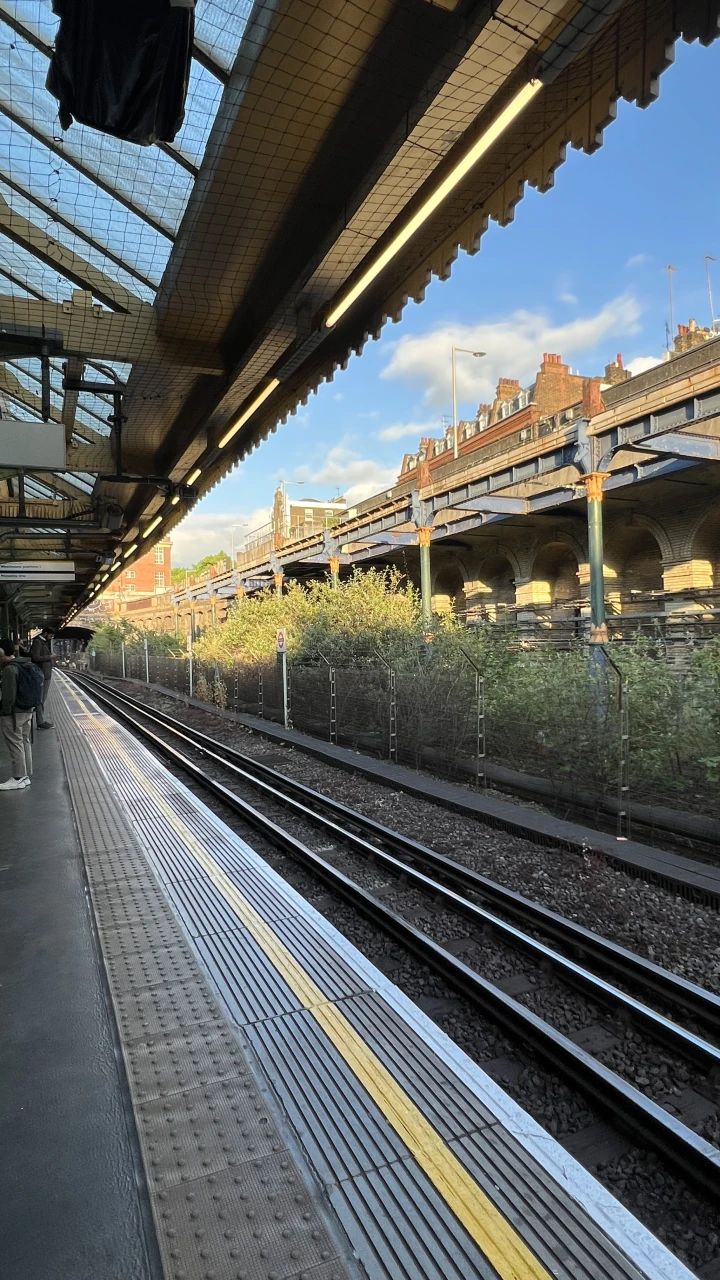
(455, 351)
(233, 527)
(708, 259)
(284, 485)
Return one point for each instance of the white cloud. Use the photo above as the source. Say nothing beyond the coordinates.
(356, 477)
(567, 297)
(399, 430)
(514, 349)
(637, 260)
(204, 533)
(642, 363)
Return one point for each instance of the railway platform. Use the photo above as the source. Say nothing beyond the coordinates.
(202, 1079)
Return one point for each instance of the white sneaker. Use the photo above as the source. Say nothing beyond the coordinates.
(15, 784)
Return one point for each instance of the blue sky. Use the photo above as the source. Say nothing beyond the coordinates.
(580, 271)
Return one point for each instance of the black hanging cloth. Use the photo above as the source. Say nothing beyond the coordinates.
(122, 66)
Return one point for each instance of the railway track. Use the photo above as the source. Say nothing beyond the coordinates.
(513, 921)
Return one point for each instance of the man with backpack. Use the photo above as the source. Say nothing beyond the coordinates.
(42, 655)
(21, 688)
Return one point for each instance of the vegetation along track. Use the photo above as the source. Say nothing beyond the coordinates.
(434, 886)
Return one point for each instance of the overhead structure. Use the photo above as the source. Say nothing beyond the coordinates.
(169, 305)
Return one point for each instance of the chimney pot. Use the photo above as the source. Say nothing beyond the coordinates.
(619, 360)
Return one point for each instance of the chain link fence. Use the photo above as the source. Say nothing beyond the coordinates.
(616, 733)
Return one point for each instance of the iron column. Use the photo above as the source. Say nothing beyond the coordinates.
(334, 572)
(424, 534)
(593, 488)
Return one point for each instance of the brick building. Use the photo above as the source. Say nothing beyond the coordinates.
(148, 576)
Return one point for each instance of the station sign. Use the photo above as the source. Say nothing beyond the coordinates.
(37, 446)
(37, 570)
(281, 640)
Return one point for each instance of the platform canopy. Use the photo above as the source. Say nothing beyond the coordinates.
(334, 155)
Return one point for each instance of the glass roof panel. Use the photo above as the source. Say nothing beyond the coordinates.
(32, 271)
(219, 27)
(146, 176)
(79, 247)
(203, 99)
(45, 175)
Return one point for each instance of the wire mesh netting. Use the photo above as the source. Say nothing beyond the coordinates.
(560, 721)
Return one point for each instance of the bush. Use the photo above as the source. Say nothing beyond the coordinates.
(109, 637)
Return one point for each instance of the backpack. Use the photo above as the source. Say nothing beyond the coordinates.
(30, 687)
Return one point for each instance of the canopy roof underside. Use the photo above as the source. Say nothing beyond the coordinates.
(199, 272)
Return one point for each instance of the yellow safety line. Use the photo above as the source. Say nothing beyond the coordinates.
(498, 1240)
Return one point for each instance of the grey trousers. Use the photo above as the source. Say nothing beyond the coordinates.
(41, 709)
(16, 732)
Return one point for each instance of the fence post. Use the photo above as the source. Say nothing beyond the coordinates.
(286, 689)
(147, 661)
(480, 738)
(392, 723)
(261, 701)
(236, 688)
(393, 719)
(623, 705)
(190, 663)
(333, 707)
(122, 653)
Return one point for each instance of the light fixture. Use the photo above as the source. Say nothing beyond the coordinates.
(130, 550)
(428, 207)
(105, 577)
(175, 499)
(194, 475)
(259, 399)
(152, 525)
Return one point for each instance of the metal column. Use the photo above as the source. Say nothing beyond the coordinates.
(424, 535)
(593, 486)
(334, 572)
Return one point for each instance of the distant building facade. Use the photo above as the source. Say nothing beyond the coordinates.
(148, 577)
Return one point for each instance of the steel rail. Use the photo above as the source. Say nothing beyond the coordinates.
(687, 1152)
(624, 964)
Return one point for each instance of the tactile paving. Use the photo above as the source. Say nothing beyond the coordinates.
(182, 1059)
(205, 1130)
(165, 1008)
(251, 1223)
(200, 1114)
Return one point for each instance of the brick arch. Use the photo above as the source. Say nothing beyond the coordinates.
(448, 587)
(555, 572)
(660, 534)
(576, 545)
(705, 549)
(634, 557)
(497, 572)
(695, 530)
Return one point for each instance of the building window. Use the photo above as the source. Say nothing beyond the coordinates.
(159, 555)
(160, 580)
(308, 515)
(129, 573)
(131, 588)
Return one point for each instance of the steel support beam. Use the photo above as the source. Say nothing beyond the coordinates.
(680, 444)
(89, 331)
(37, 242)
(58, 150)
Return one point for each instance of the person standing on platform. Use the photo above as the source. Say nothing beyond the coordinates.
(21, 689)
(42, 655)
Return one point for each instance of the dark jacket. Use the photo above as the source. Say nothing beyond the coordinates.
(9, 684)
(41, 653)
